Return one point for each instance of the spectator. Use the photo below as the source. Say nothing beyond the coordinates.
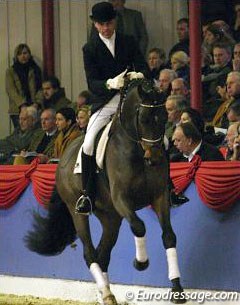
(183, 37)
(83, 115)
(236, 26)
(68, 130)
(21, 136)
(82, 100)
(236, 146)
(53, 95)
(23, 81)
(175, 105)
(128, 22)
(233, 114)
(180, 87)
(236, 57)
(229, 95)
(232, 134)
(156, 62)
(215, 79)
(193, 116)
(166, 76)
(188, 140)
(42, 142)
(180, 64)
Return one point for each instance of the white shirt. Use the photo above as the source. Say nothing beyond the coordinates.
(193, 153)
(109, 42)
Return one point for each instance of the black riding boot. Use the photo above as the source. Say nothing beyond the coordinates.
(85, 204)
(176, 199)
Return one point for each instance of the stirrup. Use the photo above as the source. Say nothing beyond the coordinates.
(84, 205)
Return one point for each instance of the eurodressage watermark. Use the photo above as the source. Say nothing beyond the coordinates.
(199, 296)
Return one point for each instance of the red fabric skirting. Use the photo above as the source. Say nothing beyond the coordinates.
(217, 183)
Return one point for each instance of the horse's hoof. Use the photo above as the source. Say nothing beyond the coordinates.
(140, 266)
(110, 300)
(178, 296)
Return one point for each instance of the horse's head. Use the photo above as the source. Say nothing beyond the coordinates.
(142, 115)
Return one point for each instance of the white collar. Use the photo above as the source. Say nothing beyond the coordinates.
(109, 42)
(49, 134)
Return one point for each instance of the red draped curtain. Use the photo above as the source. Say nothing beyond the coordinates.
(217, 183)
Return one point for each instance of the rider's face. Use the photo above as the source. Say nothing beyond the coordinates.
(106, 29)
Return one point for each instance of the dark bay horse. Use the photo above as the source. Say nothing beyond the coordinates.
(135, 174)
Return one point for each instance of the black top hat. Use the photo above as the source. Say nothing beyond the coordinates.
(103, 12)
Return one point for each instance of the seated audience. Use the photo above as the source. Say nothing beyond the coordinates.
(166, 76)
(21, 136)
(233, 114)
(236, 57)
(180, 64)
(68, 130)
(188, 140)
(53, 94)
(42, 142)
(180, 87)
(232, 134)
(217, 77)
(175, 106)
(83, 116)
(156, 62)
(236, 146)
(23, 81)
(82, 100)
(229, 94)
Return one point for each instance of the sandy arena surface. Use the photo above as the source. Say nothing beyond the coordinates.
(10, 299)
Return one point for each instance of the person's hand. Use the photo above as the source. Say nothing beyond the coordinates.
(135, 75)
(222, 92)
(116, 82)
(23, 153)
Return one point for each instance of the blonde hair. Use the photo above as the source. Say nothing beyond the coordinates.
(181, 57)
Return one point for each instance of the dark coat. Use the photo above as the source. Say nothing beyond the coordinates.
(100, 65)
(207, 152)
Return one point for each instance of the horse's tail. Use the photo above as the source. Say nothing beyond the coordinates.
(51, 234)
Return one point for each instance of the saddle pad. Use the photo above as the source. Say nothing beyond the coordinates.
(100, 151)
(102, 144)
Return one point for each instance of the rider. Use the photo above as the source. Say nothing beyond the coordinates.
(107, 58)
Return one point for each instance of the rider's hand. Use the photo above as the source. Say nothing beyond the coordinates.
(116, 82)
(135, 75)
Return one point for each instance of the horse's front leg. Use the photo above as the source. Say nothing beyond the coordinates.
(111, 222)
(138, 229)
(161, 208)
(91, 258)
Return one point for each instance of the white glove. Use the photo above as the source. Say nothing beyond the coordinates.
(135, 75)
(116, 82)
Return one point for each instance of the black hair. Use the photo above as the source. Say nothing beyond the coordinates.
(191, 131)
(53, 80)
(196, 118)
(68, 113)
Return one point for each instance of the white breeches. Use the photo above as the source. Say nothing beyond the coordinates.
(97, 121)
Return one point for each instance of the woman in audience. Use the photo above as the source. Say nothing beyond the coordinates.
(180, 64)
(23, 81)
(83, 115)
(68, 130)
(236, 146)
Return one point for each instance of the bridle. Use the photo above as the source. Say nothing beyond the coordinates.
(123, 98)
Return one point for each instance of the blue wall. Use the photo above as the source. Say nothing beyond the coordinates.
(208, 247)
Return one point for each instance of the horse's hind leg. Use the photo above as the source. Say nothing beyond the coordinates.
(161, 208)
